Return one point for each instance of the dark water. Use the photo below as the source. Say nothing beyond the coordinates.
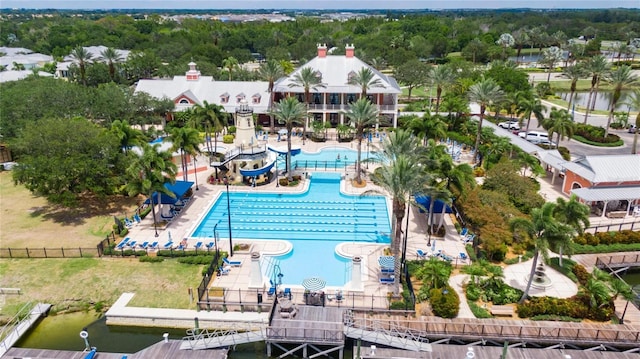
(62, 332)
(603, 100)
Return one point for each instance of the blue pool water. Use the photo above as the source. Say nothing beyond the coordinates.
(315, 222)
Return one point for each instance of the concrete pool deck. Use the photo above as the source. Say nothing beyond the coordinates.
(238, 277)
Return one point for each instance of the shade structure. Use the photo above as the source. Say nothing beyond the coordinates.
(425, 201)
(179, 189)
(386, 261)
(314, 283)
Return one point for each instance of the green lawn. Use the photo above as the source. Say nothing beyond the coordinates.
(78, 283)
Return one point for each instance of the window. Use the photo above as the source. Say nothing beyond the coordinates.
(316, 98)
(334, 99)
(184, 101)
(224, 98)
(351, 98)
(255, 99)
(350, 75)
(240, 97)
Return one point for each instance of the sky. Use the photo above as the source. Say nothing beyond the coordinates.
(318, 4)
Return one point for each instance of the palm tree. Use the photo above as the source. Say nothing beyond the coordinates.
(440, 77)
(364, 79)
(289, 112)
(127, 135)
(362, 114)
(485, 93)
(529, 104)
(271, 71)
(428, 127)
(542, 227)
(112, 57)
(595, 291)
(620, 79)
(309, 79)
(596, 66)
(574, 214)
(550, 57)
(561, 123)
(573, 73)
(187, 140)
(82, 56)
(212, 116)
(149, 173)
(230, 63)
(400, 176)
(505, 41)
(633, 100)
(434, 273)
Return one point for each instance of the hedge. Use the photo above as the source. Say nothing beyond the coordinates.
(626, 236)
(574, 307)
(444, 305)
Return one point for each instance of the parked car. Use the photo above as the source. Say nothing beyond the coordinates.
(632, 129)
(510, 125)
(534, 136)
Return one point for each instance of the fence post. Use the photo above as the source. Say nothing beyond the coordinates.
(28, 255)
(62, 249)
(80, 249)
(45, 252)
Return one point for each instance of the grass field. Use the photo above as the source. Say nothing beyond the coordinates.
(79, 283)
(29, 221)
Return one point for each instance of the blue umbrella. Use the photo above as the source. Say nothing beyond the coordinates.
(314, 283)
(387, 261)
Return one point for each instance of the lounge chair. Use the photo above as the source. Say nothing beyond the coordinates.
(136, 217)
(224, 270)
(123, 243)
(338, 295)
(132, 244)
(231, 263)
(386, 270)
(167, 245)
(272, 289)
(198, 245)
(128, 223)
(463, 256)
(287, 292)
(468, 238)
(153, 245)
(210, 245)
(421, 254)
(385, 280)
(464, 232)
(144, 245)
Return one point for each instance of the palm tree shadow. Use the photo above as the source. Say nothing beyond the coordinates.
(86, 209)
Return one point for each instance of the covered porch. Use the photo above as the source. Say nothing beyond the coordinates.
(611, 202)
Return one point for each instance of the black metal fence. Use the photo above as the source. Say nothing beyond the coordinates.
(203, 288)
(259, 300)
(62, 252)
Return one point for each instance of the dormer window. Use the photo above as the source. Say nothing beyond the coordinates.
(319, 76)
(255, 99)
(241, 96)
(351, 75)
(224, 98)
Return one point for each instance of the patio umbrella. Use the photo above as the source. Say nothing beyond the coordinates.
(314, 283)
(169, 234)
(387, 261)
(433, 245)
(283, 132)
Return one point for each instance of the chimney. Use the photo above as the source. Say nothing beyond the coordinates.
(192, 74)
(322, 50)
(350, 50)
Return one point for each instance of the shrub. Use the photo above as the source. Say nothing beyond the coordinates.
(228, 138)
(444, 305)
(231, 129)
(566, 269)
(200, 259)
(148, 259)
(478, 172)
(284, 181)
(574, 307)
(124, 232)
(565, 153)
(478, 311)
(581, 273)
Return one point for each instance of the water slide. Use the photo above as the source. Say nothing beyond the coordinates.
(271, 160)
(283, 150)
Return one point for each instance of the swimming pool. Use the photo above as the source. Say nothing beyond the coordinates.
(328, 158)
(315, 222)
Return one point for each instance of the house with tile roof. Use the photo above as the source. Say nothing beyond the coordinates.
(328, 103)
(610, 184)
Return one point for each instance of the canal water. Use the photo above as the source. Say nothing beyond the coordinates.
(62, 332)
(603, 100)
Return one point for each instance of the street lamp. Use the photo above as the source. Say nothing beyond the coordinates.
(215, 238)
(226, 183)
(195, 172)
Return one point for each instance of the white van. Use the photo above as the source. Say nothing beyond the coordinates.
(535, 136)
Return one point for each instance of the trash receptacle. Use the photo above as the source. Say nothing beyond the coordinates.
(259, 298)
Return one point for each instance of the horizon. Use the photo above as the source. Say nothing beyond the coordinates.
(317, 5)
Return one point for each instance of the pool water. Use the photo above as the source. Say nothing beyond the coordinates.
(336, 154)
(315, 222)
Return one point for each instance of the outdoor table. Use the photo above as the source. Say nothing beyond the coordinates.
(286, 305)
